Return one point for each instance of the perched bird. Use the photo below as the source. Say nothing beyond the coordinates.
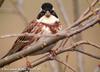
(47, 22)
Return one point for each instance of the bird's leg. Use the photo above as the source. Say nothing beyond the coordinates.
(28, 63)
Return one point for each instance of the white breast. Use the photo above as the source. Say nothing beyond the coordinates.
(52, 19)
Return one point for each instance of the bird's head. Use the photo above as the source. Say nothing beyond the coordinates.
(47, 13)
(47, 8)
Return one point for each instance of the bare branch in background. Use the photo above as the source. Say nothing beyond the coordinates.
(67, 65)
(19, 10)
(1, 2)
(86, 13)
(80, 20)
(63, 11)
(20, 5)
(89, 8)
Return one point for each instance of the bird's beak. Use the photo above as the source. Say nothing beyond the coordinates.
(47, 14)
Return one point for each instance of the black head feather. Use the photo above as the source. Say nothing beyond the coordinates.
(46, 7)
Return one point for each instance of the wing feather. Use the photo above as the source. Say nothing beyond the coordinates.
(22, 41)
(34, 27)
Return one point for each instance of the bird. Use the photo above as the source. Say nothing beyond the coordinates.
(47, 22)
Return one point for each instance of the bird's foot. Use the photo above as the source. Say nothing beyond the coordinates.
(28, 64)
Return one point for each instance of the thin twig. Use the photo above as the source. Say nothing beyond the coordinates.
(79, 21)
(70, 48)
(89, 8)
(67, 56)
(71, 68)
(83, 43)
(88, 54)
(86, 13)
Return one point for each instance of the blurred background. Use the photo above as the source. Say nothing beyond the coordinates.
(15, 15)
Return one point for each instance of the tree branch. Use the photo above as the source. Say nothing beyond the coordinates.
(82, 19)
(89, 8)
(52, 40)
(70, 48)
(27, 34)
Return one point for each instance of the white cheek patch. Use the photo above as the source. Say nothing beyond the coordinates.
(52, 19)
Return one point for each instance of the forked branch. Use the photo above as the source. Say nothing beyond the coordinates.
(52, 40)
